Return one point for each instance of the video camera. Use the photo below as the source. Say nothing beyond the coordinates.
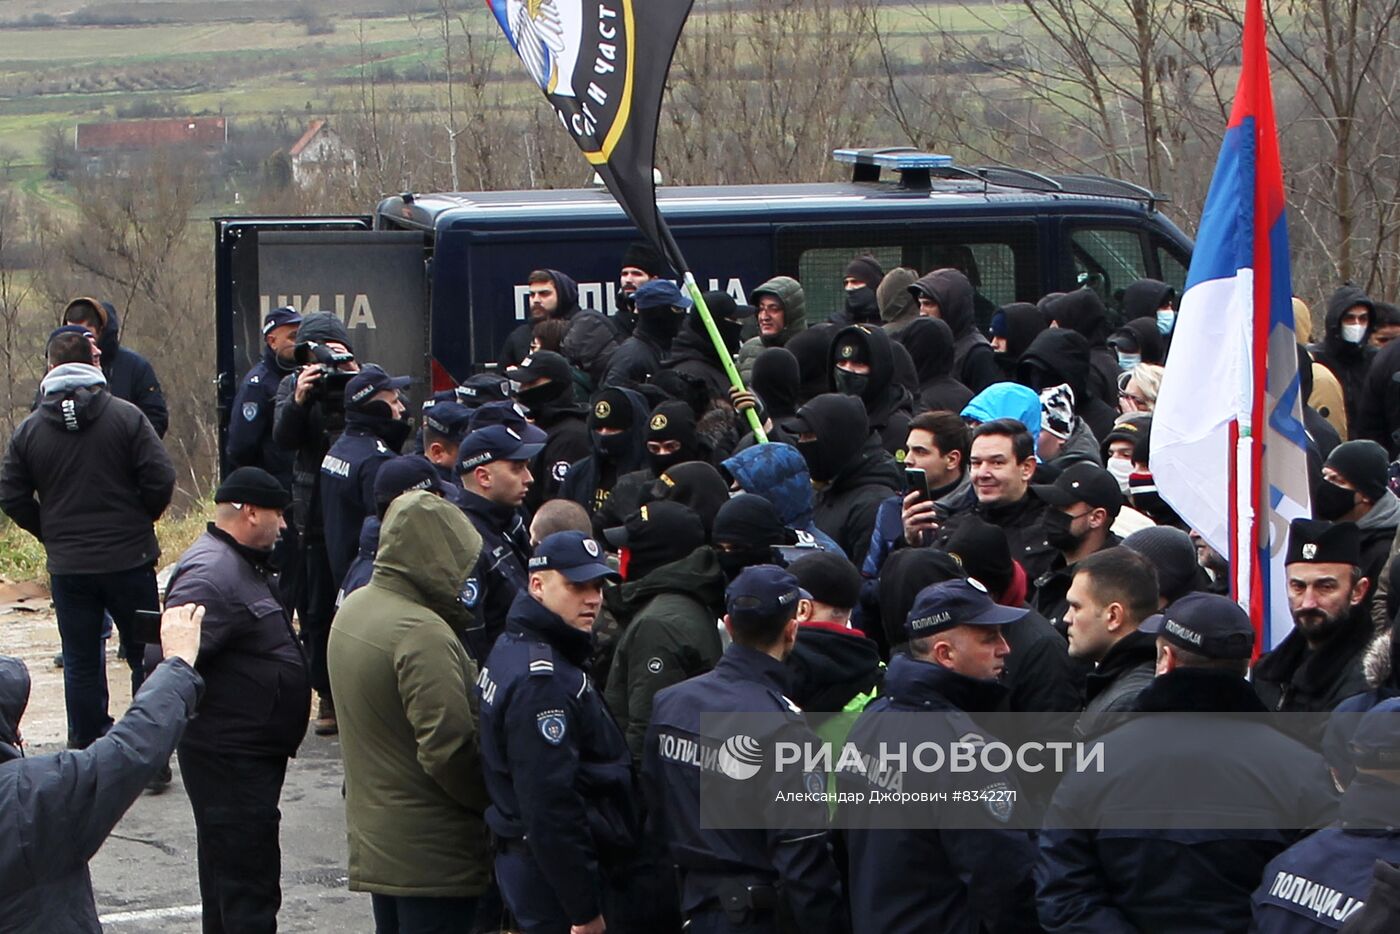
(330, 390)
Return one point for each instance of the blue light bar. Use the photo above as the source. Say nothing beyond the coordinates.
(906, 161)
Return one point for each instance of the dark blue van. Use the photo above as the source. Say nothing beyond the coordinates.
(431, 284)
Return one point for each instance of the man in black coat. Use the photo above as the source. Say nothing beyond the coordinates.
(87, 476)
(233, 757)
(547, 393)
(129, 375)
(862, 365)
(694, 354)
(661, 309)
(949, 295)
(1084, 503)
(250, 441)
(1346, 349)
(56, 810)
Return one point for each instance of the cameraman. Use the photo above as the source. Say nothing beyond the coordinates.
(310, 416)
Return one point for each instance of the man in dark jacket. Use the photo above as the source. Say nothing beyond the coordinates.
(1060, 356)
(1084, 503)
(55, 811)
(1319, 663)
(661, 309)
(547, 393)
(1186, 869)
(233, 757)
(445, 427)
(833, 666)
(640, 265)
(87, 476)
(617, 433)
(1354, 489)
(669, 605)
(862, 365)
(1083, 311)
(1112, 594)
(781, 315)
(250, 441)
(556, 765)
(930, 344)
(975, 872)
(947, 294)
(694, 354)
(851, 470)
(861, 306)
(128, 374)
(1346, 349)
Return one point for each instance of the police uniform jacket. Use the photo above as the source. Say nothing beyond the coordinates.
(250, 441)
(796, 860)
(499, 574)
(1181, 880)
(1318, 883)
(971, 877)
(347, 490)
(557, 769)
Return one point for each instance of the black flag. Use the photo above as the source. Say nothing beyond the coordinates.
(602, 64)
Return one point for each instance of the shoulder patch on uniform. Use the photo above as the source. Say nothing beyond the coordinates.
(654, 665)
(559, 470)
(471, 593)
(552, 726)
(541, 660)
(250, 411)
(255, 378)
(999, 800)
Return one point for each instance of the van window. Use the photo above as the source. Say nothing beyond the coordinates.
(1107, 260)
(1002, 262)
(1173, 270)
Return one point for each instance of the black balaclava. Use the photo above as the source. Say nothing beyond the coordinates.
(868, 344)
(862, 307)
(672, 421)
(841, 428)
(559, 389)
(612, 409)
(777, 381)
(696, 484)
(751, 526)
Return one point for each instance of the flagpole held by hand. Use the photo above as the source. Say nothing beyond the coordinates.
(725, 358)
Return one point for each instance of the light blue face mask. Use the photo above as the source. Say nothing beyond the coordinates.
(1126, 361)
(1166, 320)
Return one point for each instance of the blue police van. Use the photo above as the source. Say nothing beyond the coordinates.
(430, 284)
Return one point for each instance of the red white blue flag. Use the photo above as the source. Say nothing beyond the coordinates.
(1228, 447)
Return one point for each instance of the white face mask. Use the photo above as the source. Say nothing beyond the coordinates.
(1120, 467)
(1353, 333)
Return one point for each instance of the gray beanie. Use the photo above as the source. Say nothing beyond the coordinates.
(1173, 555)
(322, 326)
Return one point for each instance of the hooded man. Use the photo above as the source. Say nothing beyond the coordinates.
(782, 312)
(1014, 326)
(898, 306)
(617, 435)
(86, 475)
(777, 385)
(930, 344)
(670, 599)
(1137, 342)
(589, 342)
(862, 365)
(747, 531)
(1083, 311)
(779, 474)
(414, 797)
(694, 354)
(547, 393)
(1346, 348)
(661, 309)
(852, 472)
(1154, 301)
(1063, 356)
(375, 431)
(250, 441)
(947, 294)
(862, 277)
(129, 375)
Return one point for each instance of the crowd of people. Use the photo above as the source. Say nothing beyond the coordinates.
(515, 617)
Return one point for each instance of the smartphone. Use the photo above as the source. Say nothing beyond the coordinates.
(917, 482)
(147, 627)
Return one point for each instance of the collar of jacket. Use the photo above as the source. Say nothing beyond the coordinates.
(493, 514)
(1003, 514)
(530, 617)
(1128, 652)
(260, 560)
(1199, 690)
(1315, 669)
(919, 683)
(274, 362)
(746, 664)
(1371, 804)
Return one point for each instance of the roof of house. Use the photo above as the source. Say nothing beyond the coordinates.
(306, 138)
(138, 135)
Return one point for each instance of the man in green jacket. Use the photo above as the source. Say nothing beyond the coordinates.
(782, 312)
(414, 793)
(669, 606)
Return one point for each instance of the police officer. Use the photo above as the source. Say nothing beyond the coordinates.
(1318, 883)
(974, 870)
(250, 441)
(494, 464)
(754, 880)
(556, 766)
(445, 426)
(547, 393)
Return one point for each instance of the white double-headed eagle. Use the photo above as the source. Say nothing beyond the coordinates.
(539, 36)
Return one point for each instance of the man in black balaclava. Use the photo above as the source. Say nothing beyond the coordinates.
(670, 440)
(1014, 326)
(616, 426)
(777, 385)
(661, 309)
(696, 485)
(694, 354)
(748, 531)
(862, 365)
(850, 469)
(640, 265)
(547, 392)
(930, 344)
(863, 276)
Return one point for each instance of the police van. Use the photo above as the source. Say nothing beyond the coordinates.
(429, 285)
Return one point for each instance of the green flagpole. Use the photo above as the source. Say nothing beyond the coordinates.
(725, 359)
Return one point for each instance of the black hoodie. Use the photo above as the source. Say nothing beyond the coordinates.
(888, 406)
(694, 354)
(1348, 362)
(590, 481)
(1142, 298)
(812, 348)
(830, 664)
(86, 475)
(973, 363)
(14, 697)
(861, 472)
(129, 375)
(930, 344)
(1057, 356)
(777, 381)
(1082, 310)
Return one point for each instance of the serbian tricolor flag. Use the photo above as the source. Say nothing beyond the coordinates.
(1229, 452)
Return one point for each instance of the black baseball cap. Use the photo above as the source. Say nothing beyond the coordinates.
(724, 305)
(1205, 623)
(483, 388)
(1083, 483)
(403, 474)
(370, 380)
(573, 554)
(279, 317)
(542, 364)
(1316, 541)
(658, 523)
(452, 420)
(762, 593)
(957, 603)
